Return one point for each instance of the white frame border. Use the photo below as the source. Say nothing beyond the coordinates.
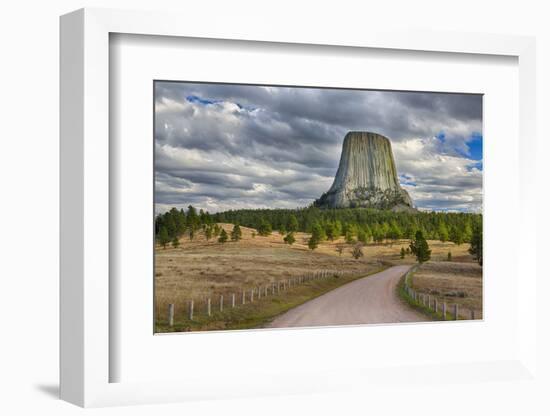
(84, 185)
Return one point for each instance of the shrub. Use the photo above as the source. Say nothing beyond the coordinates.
(357, 251)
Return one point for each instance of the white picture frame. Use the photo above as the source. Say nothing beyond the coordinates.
(86, 356)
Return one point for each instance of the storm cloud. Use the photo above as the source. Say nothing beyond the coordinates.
(222, 146)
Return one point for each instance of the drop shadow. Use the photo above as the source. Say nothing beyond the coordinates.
(51, 390)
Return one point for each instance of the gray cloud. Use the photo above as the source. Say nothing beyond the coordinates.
(230, 146)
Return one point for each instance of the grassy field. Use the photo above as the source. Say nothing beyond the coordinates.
(201, 269)
(261, 311)
(453, 283)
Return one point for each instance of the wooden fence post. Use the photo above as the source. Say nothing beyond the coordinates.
(191, 310)
(435, 305)
(444, 311)
(244, 297)
(221, 303)
(429, 302)
(233, 300)
(251, 295)
(456, 311)
(171, 314)
(259, 292)
(209, 307)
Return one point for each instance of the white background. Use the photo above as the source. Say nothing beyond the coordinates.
(29, 172)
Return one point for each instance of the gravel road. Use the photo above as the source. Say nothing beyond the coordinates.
(370, 300)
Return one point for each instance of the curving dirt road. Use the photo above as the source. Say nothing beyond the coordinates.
(370, 300)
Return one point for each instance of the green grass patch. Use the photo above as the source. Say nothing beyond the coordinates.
(259, 312)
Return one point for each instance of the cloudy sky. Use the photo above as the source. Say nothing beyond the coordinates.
(220, 147)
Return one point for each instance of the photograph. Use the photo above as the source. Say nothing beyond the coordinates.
(280, 206)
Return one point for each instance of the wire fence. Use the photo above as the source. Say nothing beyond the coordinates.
(433, 304)
(194, 309)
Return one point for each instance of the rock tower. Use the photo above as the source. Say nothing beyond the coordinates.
(366, 176)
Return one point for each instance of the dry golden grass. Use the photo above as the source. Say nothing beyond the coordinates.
(454, 283)
(200, 269)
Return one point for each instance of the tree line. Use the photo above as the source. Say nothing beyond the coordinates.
(362, 225)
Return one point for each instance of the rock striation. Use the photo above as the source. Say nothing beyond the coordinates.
(366, 176)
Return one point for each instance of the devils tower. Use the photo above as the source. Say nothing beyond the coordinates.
(366, 176)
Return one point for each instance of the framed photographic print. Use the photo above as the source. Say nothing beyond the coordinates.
(285, 213)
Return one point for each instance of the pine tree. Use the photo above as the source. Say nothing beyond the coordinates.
(193, 219)
(170, 224)
(164, 239)
(394, 232)
(175, 242)
(467, 231)
(385, 230)
(181, 222)
(316, 237)
(419, 247)
(443, 232)
(208, 232)
(362, 236)
(476, 243)
(337, 229)
(330, 231)
(349, 237)
(236, 234)
(289, 239)
(318, 232)
(377, 233)
(223, 236)
(449, 256)
(312, 243)
(265, 228)
(456, 235)
(368, 233)
(292, 225)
